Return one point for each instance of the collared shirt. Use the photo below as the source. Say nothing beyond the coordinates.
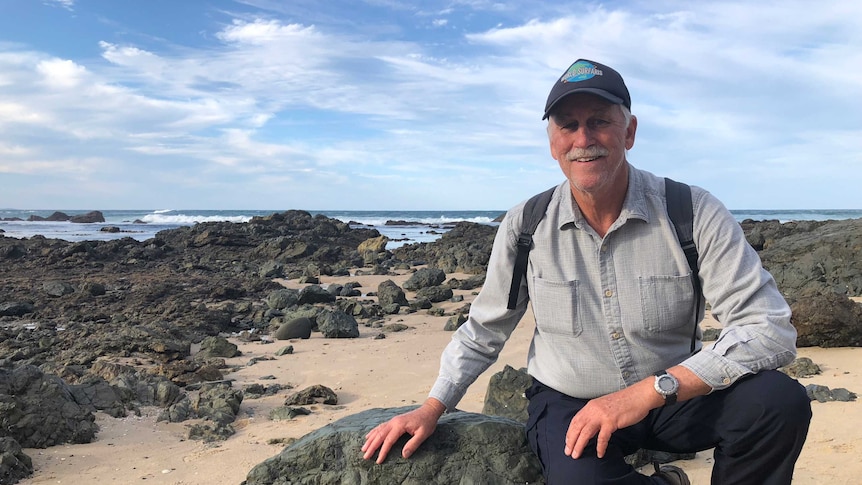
(611, 311)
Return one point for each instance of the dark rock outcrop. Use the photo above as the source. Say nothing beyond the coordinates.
(37, 410)
(465, 448)
(88, 218)
(827, 320)
(14, 464)
(465, 248)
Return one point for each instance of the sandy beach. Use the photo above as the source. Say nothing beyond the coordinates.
(368, 373)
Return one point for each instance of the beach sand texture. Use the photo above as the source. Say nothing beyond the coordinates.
(370, 373)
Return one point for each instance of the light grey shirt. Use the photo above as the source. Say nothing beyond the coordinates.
(612, 311)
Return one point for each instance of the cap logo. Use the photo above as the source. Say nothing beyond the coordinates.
(580, 71)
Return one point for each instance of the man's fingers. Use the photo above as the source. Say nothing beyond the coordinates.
(602, 441)
(413, 443)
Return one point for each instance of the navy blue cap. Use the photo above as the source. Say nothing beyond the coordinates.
(585, 76)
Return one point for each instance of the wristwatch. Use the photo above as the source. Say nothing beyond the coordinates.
(666, 385)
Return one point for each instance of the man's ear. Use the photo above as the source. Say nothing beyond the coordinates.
(630, 132)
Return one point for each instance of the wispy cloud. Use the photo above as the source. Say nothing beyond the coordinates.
(732, 96)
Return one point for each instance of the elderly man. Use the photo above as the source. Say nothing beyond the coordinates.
(611, 357)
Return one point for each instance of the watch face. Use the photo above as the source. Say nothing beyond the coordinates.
(666, 384)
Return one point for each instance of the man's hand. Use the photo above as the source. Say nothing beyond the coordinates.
(419, 423)
(602, 416)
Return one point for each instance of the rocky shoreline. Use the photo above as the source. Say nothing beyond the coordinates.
(114, 325)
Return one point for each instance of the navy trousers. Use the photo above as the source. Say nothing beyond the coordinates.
(757, 427)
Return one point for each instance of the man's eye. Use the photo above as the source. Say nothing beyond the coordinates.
(573, 126)
(598, 123)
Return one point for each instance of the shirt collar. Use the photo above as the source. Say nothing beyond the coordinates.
(634, 206)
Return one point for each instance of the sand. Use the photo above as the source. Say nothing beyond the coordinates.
(369, 373)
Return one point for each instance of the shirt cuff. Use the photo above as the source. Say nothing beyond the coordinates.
(715, 370)
(447, 392)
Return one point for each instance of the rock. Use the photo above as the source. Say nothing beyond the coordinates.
(283, 298)
(824, 394)
(424, 278)
(111, 229)
(465, 248)
(287, 412)
(371, 249)
(454, 322)
(15, 309)
(209, 433)
(217, 347)
(58, 288)
(800, 368)
(55, 217)
(38, 410)
(337, 324)
(296, 328)
(389, 293)
(466, 448)
(827, 320)
(284, 351)
(435, 294)
(271, 269)
(316, 394)
(505, 394)
(89, 217)
(14, 464)
(315, 294)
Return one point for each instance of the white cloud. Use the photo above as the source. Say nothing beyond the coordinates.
(718, 88)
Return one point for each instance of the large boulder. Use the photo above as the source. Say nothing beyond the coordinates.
(388, 293)
(466, 448)
(337, 324)
(38, 410)
(828, 320)
(424, 278)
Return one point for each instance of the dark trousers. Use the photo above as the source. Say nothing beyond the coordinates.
(757, 427)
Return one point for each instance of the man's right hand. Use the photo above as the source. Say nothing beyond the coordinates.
(419, 423)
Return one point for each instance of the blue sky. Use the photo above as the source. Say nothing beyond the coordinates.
(391, 104)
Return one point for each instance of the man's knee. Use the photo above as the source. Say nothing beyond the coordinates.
(772, 398)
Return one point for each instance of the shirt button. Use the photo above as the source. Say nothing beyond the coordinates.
(726, 380)
(615, 335)
(626, 374)
(609, 293)
(605, 248)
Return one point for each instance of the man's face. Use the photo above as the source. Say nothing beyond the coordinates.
(589, 138)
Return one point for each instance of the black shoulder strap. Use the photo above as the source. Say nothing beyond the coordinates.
(679, 209)
(534, 211)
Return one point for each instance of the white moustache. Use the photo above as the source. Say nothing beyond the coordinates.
(586, 154)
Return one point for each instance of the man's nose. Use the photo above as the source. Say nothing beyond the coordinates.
(582, 137)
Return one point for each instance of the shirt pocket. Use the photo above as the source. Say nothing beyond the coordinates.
(555, 305)
(667, 302)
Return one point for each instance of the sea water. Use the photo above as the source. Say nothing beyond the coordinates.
(415, 226)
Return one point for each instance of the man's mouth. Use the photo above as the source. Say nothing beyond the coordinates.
(585, 159)
(586, 155)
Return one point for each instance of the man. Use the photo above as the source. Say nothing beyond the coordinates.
(611, 292)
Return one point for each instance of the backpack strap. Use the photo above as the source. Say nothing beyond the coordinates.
(534, 211)
(679, 209)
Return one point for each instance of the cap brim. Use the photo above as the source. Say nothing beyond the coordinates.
(598, 92)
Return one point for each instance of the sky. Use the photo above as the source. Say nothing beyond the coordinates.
(409, 105)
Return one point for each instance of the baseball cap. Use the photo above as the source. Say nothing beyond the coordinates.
(585, 76)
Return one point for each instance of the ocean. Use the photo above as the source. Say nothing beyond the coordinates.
(417, 226)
